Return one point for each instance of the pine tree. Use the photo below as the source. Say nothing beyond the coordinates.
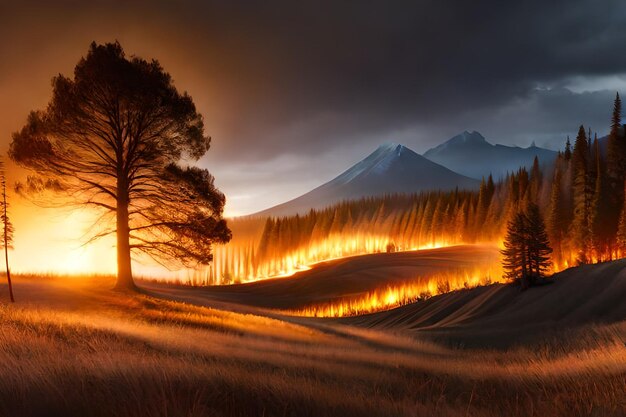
(535, 181)
(602, 232)
(513, 197)
(557, 219)
(526, 253)
(616, 152)
(568, 150)
(437, 221)
(427, 218)
(118, 136)
(264, 243)
(515, 262)
(616, 165)
(484, 198)
(460, 223)
(580, 232)
(538, 244)
(336, 225)
(7, 229)
(621, 230)
(523, 182)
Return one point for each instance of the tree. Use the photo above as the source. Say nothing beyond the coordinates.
(557, 219)
(582, 193)
(568, 150)
(515, 262)
(621, 230)
(112, 137)
(538, 244)
(602, 231)
(616, 148)
(7, 229)
(485, 194)
(526, 253)
(615, 166)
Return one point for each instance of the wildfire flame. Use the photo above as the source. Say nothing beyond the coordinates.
(232, 265)
(392, 296)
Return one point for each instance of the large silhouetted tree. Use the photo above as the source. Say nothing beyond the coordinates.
(112, 137)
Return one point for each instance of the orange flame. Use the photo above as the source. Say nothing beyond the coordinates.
(231, 265)
(392, 296)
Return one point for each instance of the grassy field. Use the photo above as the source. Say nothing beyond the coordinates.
(74, 347)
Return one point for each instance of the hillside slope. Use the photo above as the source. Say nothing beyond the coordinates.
(340, 278)
(494, 316)
(500, 315)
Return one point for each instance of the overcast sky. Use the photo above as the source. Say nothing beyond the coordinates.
(294, 92)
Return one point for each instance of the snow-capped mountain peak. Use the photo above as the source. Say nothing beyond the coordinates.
(391, 168)
(468, 153)
(466, 137)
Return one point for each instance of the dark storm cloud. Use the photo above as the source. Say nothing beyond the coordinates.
(289, 76)
(304, 77)
(313, 82)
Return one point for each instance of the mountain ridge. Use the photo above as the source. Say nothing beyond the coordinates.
(470, 154)
(391, 168)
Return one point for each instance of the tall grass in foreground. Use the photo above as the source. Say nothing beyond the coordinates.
(78, 349)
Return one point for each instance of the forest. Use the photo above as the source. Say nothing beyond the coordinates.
(580, 197)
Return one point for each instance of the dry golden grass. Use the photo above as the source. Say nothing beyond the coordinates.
(73, 347)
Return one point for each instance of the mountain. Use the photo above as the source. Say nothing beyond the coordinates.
(470, 154)
(389, 169)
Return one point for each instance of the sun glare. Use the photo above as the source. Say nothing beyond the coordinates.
(55, 244)
(77, 262)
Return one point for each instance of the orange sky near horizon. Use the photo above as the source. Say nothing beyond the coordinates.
(52, 241)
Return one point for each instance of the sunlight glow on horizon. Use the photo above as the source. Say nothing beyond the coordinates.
(52, 241)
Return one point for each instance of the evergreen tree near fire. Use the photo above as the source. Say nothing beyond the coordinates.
(526, 253)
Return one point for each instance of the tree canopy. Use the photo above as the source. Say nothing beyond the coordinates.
(118, 136)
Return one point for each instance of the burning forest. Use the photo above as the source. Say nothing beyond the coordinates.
(577, 193)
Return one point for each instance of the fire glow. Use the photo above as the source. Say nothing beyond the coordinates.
(392, 296)
(238, 264)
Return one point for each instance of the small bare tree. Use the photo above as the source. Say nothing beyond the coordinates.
(7, 227)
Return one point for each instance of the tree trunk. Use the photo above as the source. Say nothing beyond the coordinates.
(6, 236)
(6, 258)
(124, 269)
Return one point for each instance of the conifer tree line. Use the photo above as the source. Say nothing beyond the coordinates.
(401, 222)
(579, 197)
(587, 218)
